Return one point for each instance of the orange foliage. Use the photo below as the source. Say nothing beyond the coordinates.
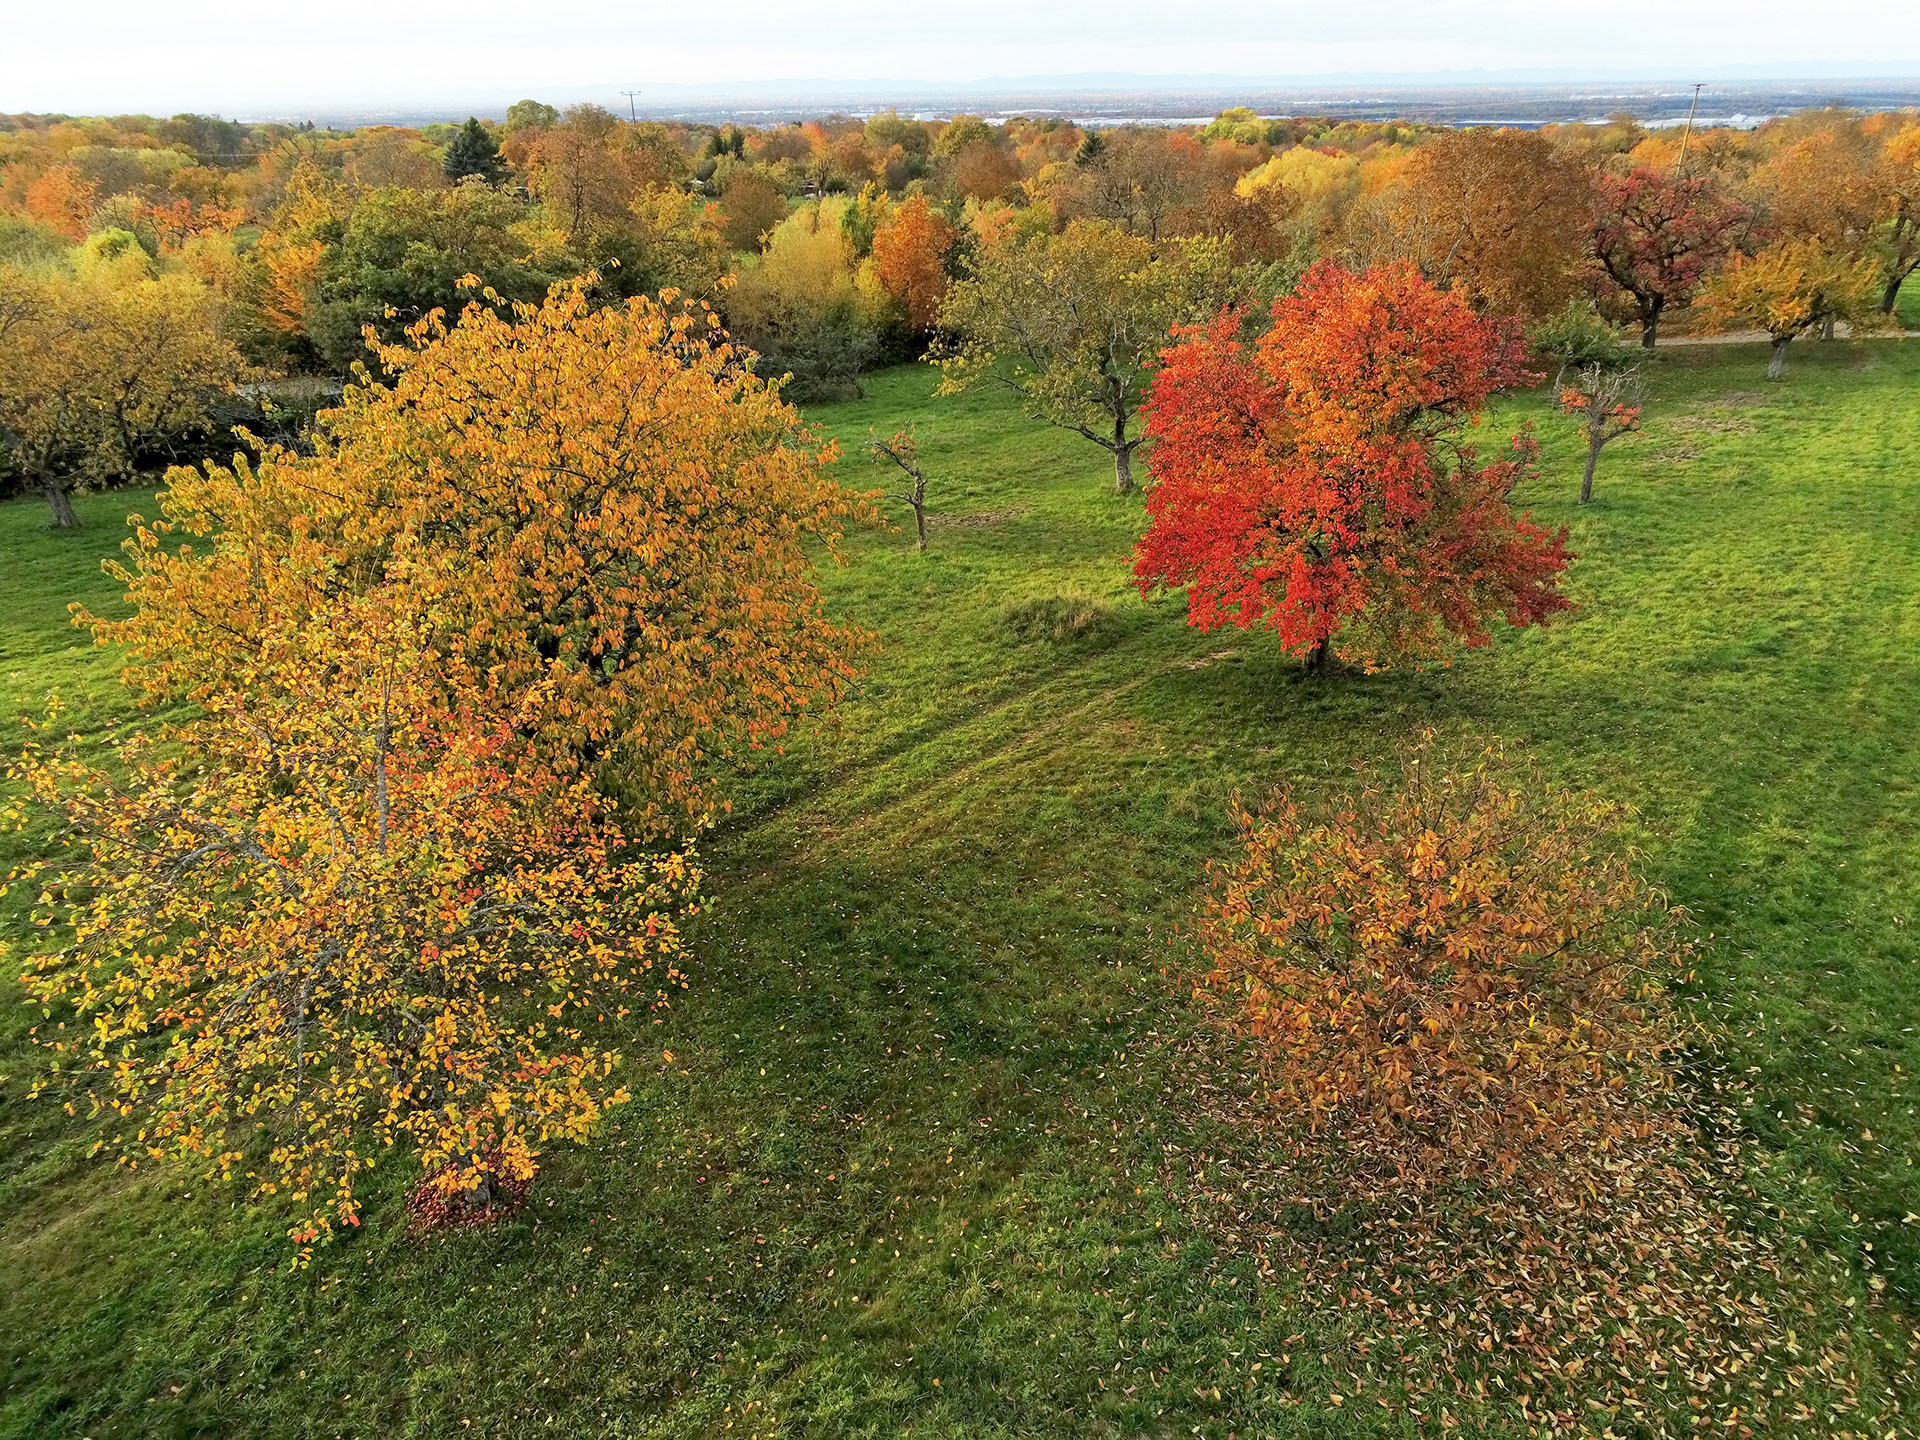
(1822, 187)
(1448, 972)
(909, 259)
(63, 200)
(292, 270)
(645, 558)
(460, 677)
(1497, 213)
(984, 171)
(176, 223)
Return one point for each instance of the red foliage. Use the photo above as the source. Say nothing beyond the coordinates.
(1317, 480)
(440, 1202)
(1657, 236)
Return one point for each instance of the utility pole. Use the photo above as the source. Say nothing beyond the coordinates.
(1692, 111)
(631, 116)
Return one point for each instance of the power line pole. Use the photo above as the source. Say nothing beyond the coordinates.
(631, 94)
(1691, 112)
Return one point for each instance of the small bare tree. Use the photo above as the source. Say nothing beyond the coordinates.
(903, 450)
(1606, 401)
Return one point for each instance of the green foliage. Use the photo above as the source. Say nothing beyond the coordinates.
(530, 115)
(1076, 323)
(1577, 336)
(863, 216)
(404, 252)
(1243, 126)
(26, 242)
(890, 128)
(798, 307)
(473, 151)
(960, 132)
(113, 257)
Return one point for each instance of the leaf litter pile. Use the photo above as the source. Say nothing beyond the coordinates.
(1658, 1292)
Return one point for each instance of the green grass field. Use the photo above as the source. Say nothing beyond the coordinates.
(905, 1173)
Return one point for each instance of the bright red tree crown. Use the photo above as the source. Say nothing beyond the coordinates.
(1319, 480)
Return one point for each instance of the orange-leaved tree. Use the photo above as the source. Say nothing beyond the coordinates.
(362, 913)
(460, 678)
(1495, 212)
(910, 249)
(1450, 973)
(1319, 479)
(64, 199)
(1898, 241)
(629, 509)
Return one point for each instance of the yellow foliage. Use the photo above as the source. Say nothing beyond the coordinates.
(460, 679)
(1790, 287)
(1304, 175)
(95, 367)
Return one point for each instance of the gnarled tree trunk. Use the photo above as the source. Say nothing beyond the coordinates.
(60, 501)
(1650, 321)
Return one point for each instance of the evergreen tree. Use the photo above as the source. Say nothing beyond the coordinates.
(474, 152)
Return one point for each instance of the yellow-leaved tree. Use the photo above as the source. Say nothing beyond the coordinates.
(458, 681)
(100, 371)
(1789, 288)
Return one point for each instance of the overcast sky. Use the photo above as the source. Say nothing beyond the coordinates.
(117, 56)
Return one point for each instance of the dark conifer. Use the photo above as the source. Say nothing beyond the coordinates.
(474, 152)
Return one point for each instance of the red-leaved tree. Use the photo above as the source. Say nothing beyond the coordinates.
(1657, 237)
(1320, 480)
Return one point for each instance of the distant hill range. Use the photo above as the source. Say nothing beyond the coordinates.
(1455, 97)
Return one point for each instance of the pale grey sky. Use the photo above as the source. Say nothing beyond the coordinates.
(254, 58)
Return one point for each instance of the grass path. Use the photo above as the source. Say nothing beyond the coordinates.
(903, 1174)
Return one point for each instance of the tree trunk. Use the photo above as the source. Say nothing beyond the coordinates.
(483, 1193)
(60, 501)
(1320, 657)
(920, 522)
(1779, 361)
(1892, 295)
(1650, 322)
(1123, 469)
(1594, 442)
(1826, 328)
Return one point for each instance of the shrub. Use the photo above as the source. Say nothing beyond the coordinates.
(1448, 974)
